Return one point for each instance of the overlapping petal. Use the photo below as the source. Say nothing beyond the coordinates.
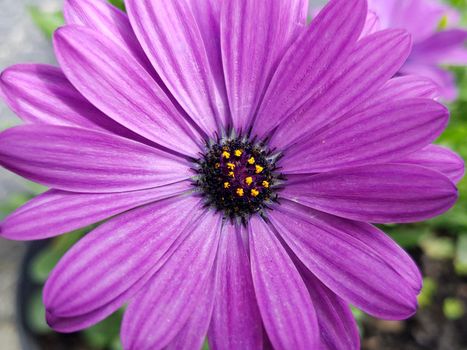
(207, 15)
(445, 80)
(193, 333)
(107, 20)
(159, 312)
(372, 23)
(174, 44)
(446, 47)
(402, 87)
(382, 193)
(118, 85)
(312, 61)
(354, 267)
(377, 134)
(80, 160)
(254, 36)
(337, 325)
(132, 245)
(285, 306)
(236, 322)
(56, 212)
(418, 17)
(375, 59)
(438, 158)
(41, 94)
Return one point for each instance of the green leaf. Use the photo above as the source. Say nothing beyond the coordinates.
(359, 316)
(46, 260)
(425, 298)
(103, 334)
(36, 314)
(12, 203)
(48, 22)
(205, 345)
(438, 247)
(460, 261)
(407, 236)
(119, 3)
(453, 308)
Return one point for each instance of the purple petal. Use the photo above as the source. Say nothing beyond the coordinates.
(159, 312)
(337, 325)
(352, 259)
(41, 94)
(117, 84)
(311, 61)
(403, 87)
(372, 24)
(418, 17)
(438, 158)
(384, 193)
(106, 19)
(172, 40)
(446, 48)
(285, 305)
(56, 212)
(115, 257)
(193, 333)
(374, 61)
(80, 160)
(254, 36)
(378, 134)
(236, 322)
(443, 79)
(207, 14)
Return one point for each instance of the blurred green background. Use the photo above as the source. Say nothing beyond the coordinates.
(439, 246)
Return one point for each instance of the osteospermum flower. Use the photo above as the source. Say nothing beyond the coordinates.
(438, 38)
(239, 157)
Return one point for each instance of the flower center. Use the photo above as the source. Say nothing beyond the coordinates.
(238, 176)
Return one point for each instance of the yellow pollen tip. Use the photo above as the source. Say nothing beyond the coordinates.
(218, 165)
(265, 184)
(249, 180)
(240, 192)
(231, 166)
(238, 153)
(226, 155)
(231, 174)
(251, 161)
(254, 192)
(226, 185)
(259, 169)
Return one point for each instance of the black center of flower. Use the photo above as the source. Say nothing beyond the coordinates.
(238, 176)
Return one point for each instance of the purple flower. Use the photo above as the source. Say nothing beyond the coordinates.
(438, 40)
(241, 156)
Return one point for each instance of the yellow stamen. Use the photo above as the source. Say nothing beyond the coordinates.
(231, 166)
(249, 180)
(226, 155)
(226, 185)
(265, 184)
(251, 161)
(218, 165)
(259, 169)
(254, 192)
(231, 174)
(238, 152)
(240, 192)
